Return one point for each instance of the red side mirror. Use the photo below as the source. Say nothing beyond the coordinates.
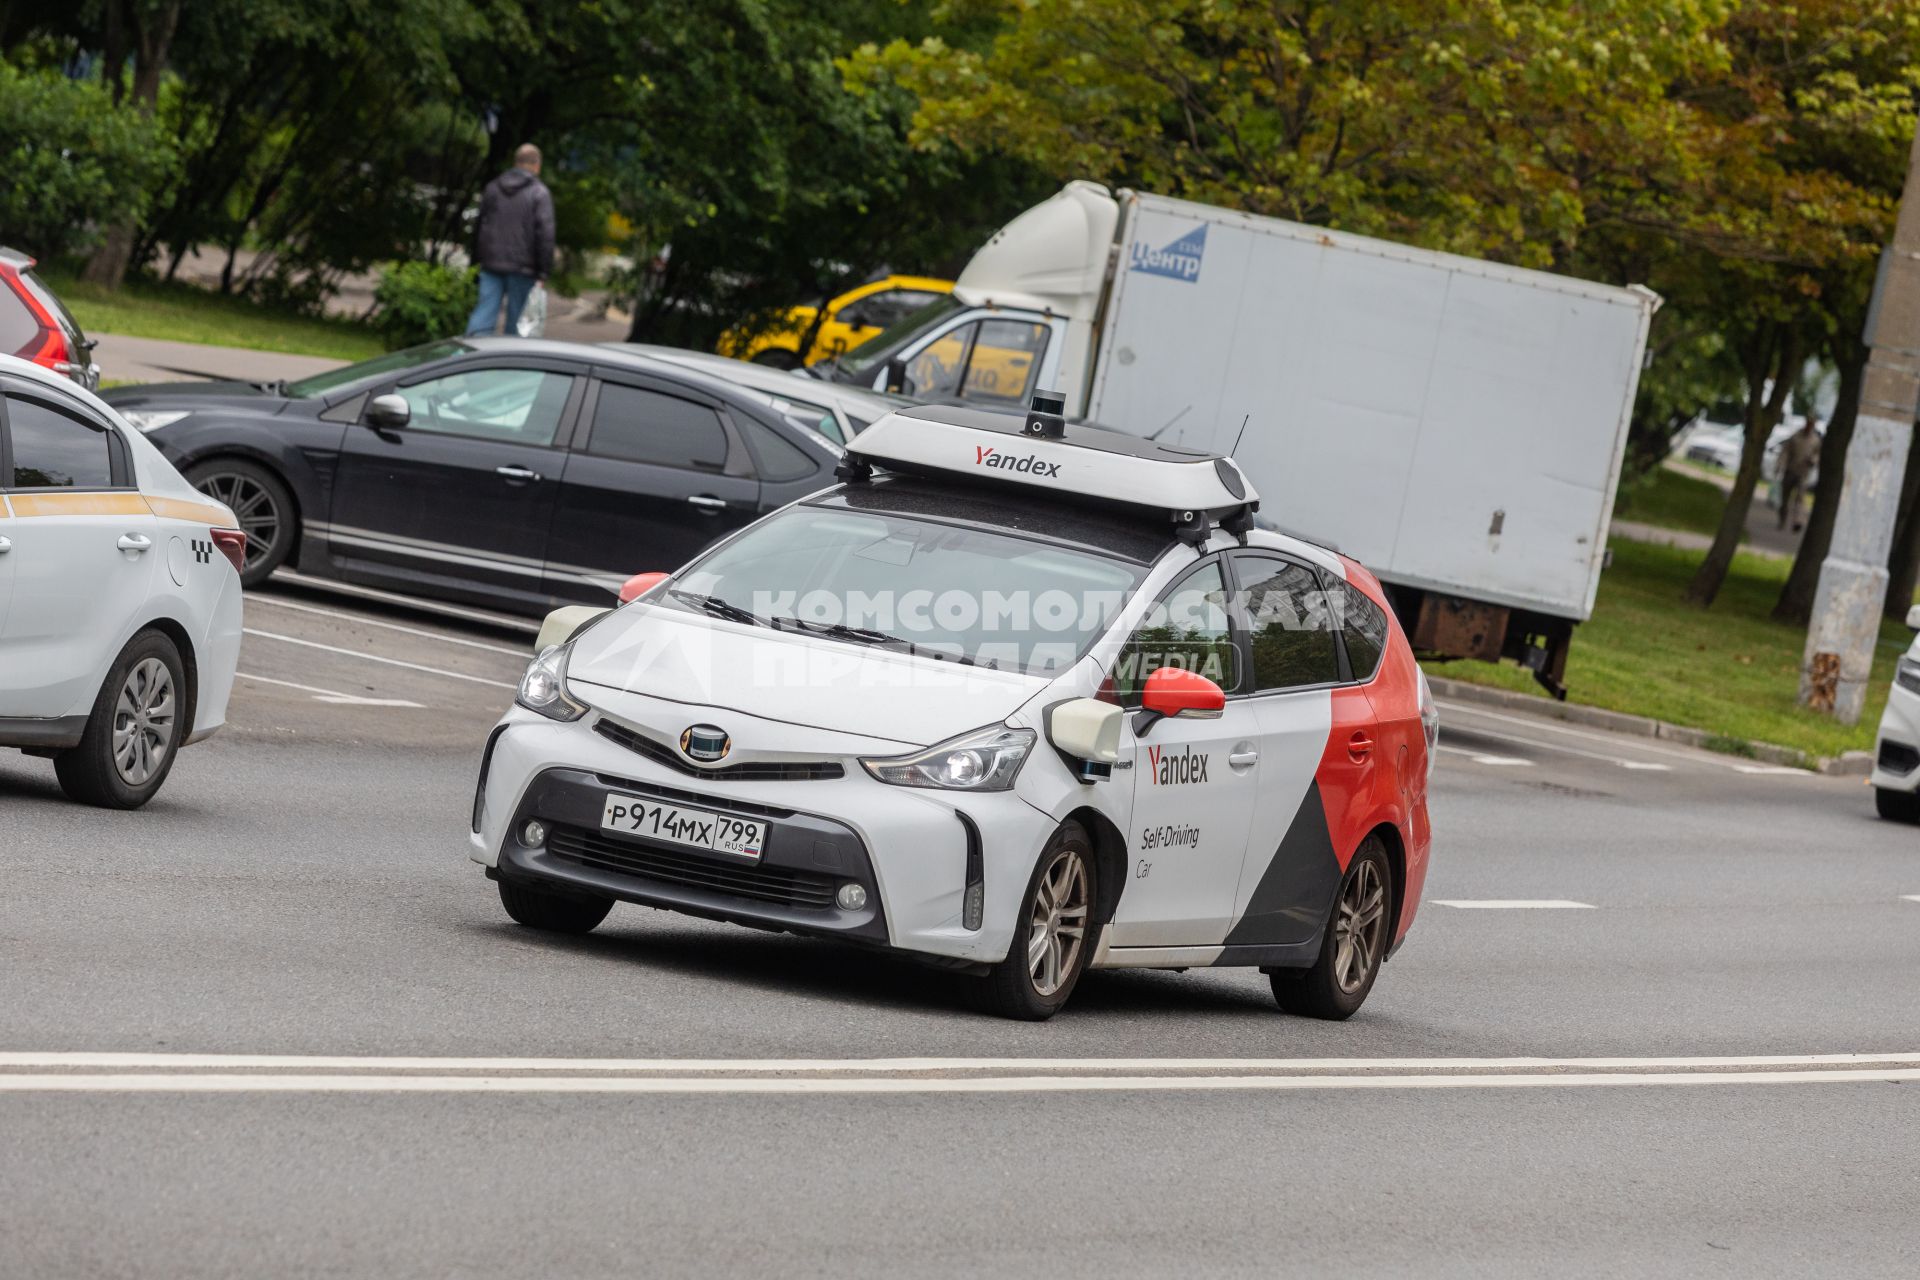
(1171, 691)
(639, 584)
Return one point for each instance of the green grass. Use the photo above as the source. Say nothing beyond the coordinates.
(1729, 670)
(1670, 500)
(185, 313)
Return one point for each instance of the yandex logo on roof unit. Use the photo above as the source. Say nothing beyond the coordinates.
(985, 456)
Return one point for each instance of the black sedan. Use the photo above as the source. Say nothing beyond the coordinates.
(515, 472)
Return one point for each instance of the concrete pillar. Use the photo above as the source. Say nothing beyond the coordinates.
(1853, 579)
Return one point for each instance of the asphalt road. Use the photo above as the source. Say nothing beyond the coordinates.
(301, 890)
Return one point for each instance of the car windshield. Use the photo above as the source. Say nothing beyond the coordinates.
(393, 362)
(861, 363)
(995, 600)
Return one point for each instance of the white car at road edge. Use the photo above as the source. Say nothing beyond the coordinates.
(1896, 747)
(119, 594)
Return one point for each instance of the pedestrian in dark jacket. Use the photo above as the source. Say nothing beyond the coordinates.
(514, 242)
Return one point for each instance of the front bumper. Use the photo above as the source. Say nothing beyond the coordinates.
(1896, 748)
(793, 885)
(909, 848)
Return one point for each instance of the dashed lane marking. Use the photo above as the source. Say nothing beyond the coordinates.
(374, 657)
(1481, 757)
(332, 695)
(1515, 904)
(356, 619)
(1910, 897)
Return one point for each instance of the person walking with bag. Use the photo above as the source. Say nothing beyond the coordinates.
(513, 243)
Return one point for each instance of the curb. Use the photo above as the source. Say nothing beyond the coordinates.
(1853, 764)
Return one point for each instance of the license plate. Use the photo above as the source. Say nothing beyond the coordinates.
(677, 824)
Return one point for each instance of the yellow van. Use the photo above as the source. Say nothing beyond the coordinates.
(851, 318)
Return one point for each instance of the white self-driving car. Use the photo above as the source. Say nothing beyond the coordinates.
(1015, 697)
(1896, 749)
(119, 594)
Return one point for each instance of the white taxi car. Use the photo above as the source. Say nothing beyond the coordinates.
(1016, 698)
(119, 594)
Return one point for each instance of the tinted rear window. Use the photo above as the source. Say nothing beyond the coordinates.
(646, 426)
(55, 450)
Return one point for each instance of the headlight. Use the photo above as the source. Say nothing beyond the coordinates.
(983, 760)
(544, 687)
(145, 420)
(1906, 674)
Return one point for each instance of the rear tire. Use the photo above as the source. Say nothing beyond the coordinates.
(261, 503)
(1355, 942)
(1897, 806)
(134, 730)
(556, 913)
(1053, 934)
(777, 358)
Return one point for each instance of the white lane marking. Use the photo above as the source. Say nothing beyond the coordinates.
(1548, 726)
(1768, 768)
(1910, 897)
(374, 657)
(1646, 764)
(1481, 757)
(224, 1083)
(1582, 752)
(1514, 904)
(332, 695)
(83, 1059)
(355, 619)
(502, 620)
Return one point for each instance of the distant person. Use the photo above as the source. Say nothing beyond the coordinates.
(513, 243)
(1799, 455)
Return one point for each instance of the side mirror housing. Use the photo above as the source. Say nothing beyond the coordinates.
(1087, 731)
(1913, 617)
(1173, 691)
(388, 411)
(639, 584)
(558, 627)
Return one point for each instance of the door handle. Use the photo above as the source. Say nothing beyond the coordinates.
(1359, 746)
(516, 475)
(708, 503)
(1243, 756)
(134, 542)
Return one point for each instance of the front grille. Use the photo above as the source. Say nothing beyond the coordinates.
(757, 771)
(782, 886)
(1898, 757)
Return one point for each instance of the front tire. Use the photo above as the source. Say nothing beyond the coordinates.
(1052, 939)
(260, 502)
(556, 913)
(1355, 943)
(1897, 806)
(134, 730)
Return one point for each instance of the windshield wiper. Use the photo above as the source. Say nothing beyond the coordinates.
(863, 635)
(718, 608)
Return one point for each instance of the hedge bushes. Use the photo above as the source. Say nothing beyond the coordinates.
(71, 162)
(420, 301)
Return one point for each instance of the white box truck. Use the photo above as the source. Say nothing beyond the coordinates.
(1455, 425)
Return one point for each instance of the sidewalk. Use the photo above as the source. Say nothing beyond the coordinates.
(123, 359)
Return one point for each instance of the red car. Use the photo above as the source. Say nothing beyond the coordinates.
(35, 326)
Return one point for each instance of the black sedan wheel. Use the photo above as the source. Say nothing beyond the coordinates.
(261, 503)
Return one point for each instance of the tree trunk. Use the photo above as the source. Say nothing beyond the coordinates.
(1796, 597)
(1762, 418)
(153, 36)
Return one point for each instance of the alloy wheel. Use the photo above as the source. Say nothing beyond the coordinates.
(1058, 925)
(253, 507)
(143, 721)
(1359, 928)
